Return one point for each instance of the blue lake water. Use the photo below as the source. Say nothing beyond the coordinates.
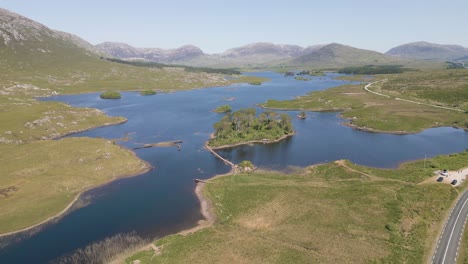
(162, 201)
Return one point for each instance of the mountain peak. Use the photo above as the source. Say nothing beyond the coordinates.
(257, 48)
(125, 51)
(428, 51)
(336, 55)
(17, 31)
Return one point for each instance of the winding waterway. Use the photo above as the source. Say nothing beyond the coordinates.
(162, 201)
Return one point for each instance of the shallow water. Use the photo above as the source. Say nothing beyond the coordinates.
(162, 201)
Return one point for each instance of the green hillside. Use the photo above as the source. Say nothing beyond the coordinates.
(38, 61)
(438, 98)
(33, 54)
(336, 56)
(330, 213)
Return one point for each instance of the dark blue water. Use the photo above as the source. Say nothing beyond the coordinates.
(162, 201)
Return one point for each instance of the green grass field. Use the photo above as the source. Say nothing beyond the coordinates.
(463, 254)
(41, 178)
(331, 213)
(446, 88)
(372, 112)
(52, 173)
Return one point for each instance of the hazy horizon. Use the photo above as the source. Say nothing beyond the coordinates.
(217, 26)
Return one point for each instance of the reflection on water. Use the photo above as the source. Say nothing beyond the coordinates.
(162, 201)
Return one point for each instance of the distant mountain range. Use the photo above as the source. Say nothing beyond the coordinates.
(125, 51)
(336, 55)
(26, 43)
(428, 51)
(255, 54)
(268, 54)
(33, 54)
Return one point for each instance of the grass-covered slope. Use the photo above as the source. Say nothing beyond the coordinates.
(337, 55)
(31, 53)
(40, 179)
(332, 213)
(444, 87)
(463, 255)
(447, 88)
(38, 61)
(428, 51)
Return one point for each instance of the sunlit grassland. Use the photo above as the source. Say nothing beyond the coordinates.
(373, 112)
(41, 178)
(463, 254)
(331, 213)
(446, 88)
(25, 120)
(249, 79)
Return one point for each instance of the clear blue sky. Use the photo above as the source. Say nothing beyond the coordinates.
(217, 25)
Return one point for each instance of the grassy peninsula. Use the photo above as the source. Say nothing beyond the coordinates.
(28, 125)
(252, 80)
(40, 62)
(368, 111)
(39, 179)
(243, 126)
(331, 213)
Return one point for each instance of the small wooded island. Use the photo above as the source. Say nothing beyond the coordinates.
(223, 109)
(110, 95)
(147, 92)
(244, 126)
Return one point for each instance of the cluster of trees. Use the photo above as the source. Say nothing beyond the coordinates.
(223, 109)
(305, 72)
(246, 166)
(255, 82)
(148, 92)
(110, 95)
(300, 78)
(310, 72)
(455, 65)
(374, 69)
(244, 125)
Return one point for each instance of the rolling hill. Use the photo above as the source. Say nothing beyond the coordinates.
(260, 55)
(336, 55)
(26, 44)
(428, 51)
(125, 51)
(33, 54)
(251, 54)
(29, 47)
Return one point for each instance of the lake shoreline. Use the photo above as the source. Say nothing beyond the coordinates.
(340, 114)
(206, 205)
(372, 130)
(145, 168)
(302, 109)
(249, 142)
(345, 123)
(73, 132)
